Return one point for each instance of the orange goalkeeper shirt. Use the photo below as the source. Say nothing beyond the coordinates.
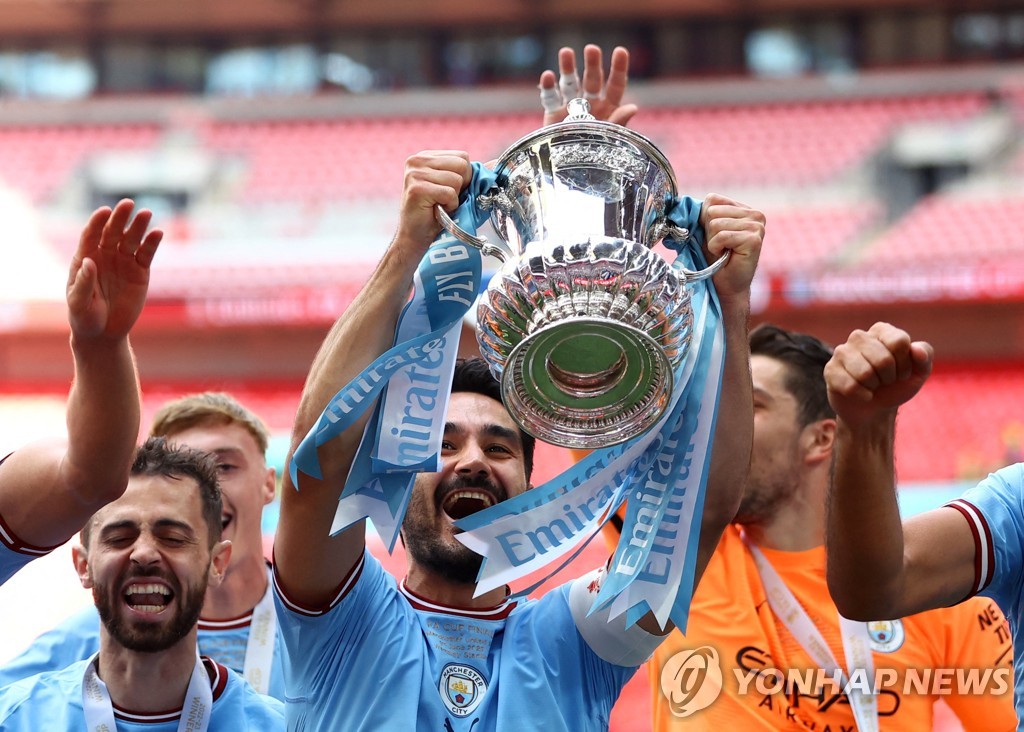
(730, 613)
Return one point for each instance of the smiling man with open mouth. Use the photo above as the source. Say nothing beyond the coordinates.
(148, 559)
(217, 424)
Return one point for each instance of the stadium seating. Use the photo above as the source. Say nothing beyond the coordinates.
(950, 229)
(37, 160)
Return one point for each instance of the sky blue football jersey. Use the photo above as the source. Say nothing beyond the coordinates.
(381, 657)
(994, 510)
(14, 553)
(52, 701)
(78, 638)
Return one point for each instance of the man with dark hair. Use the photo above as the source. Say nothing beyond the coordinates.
(148, 558)
(433, 654)
(474, 375)
(764, 609)
(238, 625)
(50, 487)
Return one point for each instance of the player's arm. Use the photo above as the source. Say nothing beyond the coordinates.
(605, 97)
(878, 566)
(731, 226)
(49, 489)
(310, 564)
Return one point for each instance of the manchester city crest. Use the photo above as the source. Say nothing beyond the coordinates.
(886, 635)
(462, 689)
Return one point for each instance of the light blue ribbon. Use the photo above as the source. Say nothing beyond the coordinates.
(447, 269)
(379, 487)
(547, 520)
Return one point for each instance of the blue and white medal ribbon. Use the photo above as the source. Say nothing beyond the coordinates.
(99, 708)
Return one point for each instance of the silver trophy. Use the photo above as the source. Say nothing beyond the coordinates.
(583, 325)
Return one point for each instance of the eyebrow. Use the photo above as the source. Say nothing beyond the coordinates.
(165, 523)
(491, 430)
(225, 451)
(761, 393)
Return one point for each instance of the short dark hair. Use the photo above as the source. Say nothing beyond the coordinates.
(474, 375)
(804, 357)
(157, 457)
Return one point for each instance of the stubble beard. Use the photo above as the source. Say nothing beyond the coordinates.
(149, 637)
(426, 539)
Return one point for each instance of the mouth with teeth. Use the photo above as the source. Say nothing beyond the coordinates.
(465, 502)
(148, 598)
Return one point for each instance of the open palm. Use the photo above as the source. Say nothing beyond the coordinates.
(109, 275)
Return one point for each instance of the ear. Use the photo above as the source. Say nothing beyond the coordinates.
(819, 438)
(80, 558)
(220, 556)
(269, 486)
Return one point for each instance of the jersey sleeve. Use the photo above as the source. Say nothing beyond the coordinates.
(324, 645)
(15, 553)
(585, 676)
(977, 643)
(608, 638)
(994, 513)
(76, 639)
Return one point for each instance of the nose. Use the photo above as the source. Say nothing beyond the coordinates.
(472, 461)
(144, 550)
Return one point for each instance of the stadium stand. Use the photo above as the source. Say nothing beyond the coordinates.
(298, 203)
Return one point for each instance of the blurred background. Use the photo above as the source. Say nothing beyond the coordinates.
(883, 138)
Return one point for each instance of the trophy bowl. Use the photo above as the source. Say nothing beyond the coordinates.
(584, 325)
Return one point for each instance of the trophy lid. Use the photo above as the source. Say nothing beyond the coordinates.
(581, 127)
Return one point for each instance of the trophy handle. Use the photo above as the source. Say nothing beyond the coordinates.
(499, 251)
(680, 234)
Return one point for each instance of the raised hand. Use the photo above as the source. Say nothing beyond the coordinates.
(432, 177)
(876, 371)
(605, 97)
(729, 225)
(109, 274)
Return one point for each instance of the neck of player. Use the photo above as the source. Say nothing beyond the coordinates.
(245, 583)
(147, 682)
(435, 587)
(796, 525)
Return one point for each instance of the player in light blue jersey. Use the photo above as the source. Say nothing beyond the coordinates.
(235, 706)
(228, 641)
(238, 625)
(368, 653)
(148, 558)
(880, 567)
(49, 488)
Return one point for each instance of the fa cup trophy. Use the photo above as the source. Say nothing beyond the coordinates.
(584, 325)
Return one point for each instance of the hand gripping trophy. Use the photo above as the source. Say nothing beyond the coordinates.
(584, 324)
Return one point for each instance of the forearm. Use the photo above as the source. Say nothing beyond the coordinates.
(103, 415)
(864, 529)
(310, 562)
(360, 335)
(733, 437)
